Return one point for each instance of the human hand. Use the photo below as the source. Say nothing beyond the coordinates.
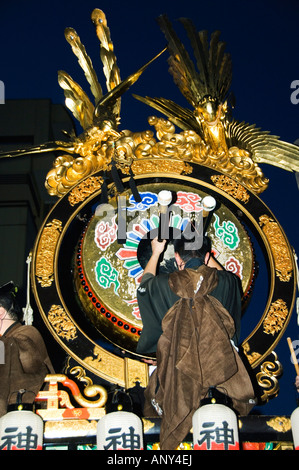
(151, 362)
(158, 247)
(297, 383)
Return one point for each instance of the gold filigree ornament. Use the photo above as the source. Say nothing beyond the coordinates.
(280, 424)
(270, 371)
(282, 258)
(61, 323)
(231, 187)
(84, 189)
(276, 317)
(44, 264)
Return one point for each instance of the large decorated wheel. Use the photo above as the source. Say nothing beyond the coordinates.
(90, 255)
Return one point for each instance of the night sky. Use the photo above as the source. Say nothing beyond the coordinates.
(262, 37)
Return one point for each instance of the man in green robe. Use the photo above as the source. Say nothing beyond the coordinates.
(191, 324)
(155, 297)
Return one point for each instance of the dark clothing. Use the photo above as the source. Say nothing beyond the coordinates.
(194, 353)
(26, 363)
(155, 297)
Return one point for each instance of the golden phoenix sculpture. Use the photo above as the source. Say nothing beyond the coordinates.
(210, 136)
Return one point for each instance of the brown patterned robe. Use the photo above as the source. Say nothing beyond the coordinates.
(194, 353)
(26, 363)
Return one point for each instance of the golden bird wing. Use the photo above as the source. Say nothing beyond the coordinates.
(76, 99)
(107, 55)
(263, 146)
(214, 74)
(181, 66)
(84, 62)
(108, 58)
(179, 116)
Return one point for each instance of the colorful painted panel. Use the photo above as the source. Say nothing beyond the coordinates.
(114, 270)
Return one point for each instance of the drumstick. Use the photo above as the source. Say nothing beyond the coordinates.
(293, 355)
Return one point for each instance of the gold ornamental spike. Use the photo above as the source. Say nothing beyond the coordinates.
(76, 99)
(108, 58)
(84, 62)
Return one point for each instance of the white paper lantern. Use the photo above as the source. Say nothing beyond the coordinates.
(21, 430)
(120, 430)
(215, 427)
(295, 428)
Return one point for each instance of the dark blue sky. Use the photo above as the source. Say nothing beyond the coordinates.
(262, 37)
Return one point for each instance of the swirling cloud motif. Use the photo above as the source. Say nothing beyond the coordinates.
(147, 199)
(227, 232)
(234, 266)
(106, 274)
(105, 234)
(189, 202)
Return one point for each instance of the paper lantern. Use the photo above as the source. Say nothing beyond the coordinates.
(215, 427)
(120, 430)
(295, 428)
(21, 430)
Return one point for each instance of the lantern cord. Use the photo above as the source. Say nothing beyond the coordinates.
(28, 311)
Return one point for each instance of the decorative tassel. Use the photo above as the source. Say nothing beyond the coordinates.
(28, 311)
(133, 187)
(119, 186)
(104, 192)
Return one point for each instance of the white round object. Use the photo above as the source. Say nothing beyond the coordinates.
(120, 430)
(164, 197)
(208, 203)
(215, 427)
(21, 430)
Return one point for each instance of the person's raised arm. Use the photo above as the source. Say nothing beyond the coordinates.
(157, 249)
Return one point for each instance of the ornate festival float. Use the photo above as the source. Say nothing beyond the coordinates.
(91, 250)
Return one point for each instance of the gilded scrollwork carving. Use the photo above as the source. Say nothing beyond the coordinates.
(129, 148)
(67, 170)
(84, 189)
(279, 248)
(267, 378)
(135, 372)
(189, 146)
(44, 264)
(231, 187)
(149, 165)
(108, 364)
(62, 324)
(280, 424)
(276, 317)
(80, 374)
(252, 356)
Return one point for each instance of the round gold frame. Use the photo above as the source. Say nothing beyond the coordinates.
(65, 223)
